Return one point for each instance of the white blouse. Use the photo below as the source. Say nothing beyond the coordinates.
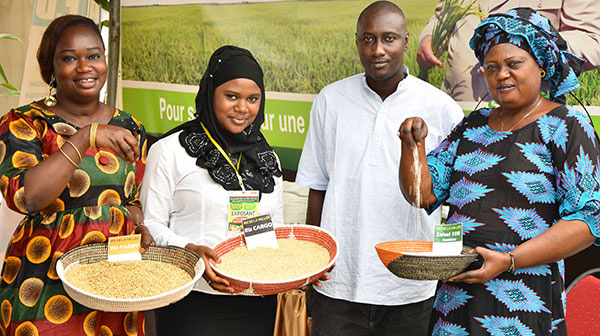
(182, 204)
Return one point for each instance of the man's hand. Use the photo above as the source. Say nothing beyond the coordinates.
(425, 56)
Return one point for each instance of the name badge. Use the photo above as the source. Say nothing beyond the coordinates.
(447, 239)
(124, 248)
(242, 205)
(259, 231)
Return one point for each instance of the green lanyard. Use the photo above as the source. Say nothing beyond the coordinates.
(240, 181)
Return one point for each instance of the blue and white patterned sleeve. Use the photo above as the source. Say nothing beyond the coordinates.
(576, 159)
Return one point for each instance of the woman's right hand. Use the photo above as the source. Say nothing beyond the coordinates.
(412, 131)
(146, 239)
(119, 140)
(213, 280)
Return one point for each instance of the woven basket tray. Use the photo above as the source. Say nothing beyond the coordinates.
(187, 260)
(301, 232)
(423, 267)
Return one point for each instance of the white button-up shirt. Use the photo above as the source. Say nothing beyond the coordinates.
(353, 152)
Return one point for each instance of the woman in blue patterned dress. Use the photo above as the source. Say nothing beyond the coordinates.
(523, 178)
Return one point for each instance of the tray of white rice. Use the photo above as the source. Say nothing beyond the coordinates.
(305, 253)
(164, 275)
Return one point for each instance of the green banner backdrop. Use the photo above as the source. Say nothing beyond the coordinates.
(161, 107)
(301, 45)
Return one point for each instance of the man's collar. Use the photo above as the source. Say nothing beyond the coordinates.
(405, 71)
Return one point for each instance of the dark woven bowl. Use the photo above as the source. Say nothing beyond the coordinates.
(185, 259)
(421, 267)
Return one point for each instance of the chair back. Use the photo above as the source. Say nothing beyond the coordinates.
(583, 305)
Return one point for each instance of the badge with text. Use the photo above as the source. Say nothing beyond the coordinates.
(447, 239)
(124, 248)
(259, 231)
(242, 205)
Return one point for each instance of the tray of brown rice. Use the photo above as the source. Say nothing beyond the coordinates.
(164, 275)
(305, 253)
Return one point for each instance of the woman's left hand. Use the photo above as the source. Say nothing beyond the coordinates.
(324, 277)
(147, 238)
(494, 263)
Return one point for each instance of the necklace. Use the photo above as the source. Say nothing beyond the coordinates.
(501, 114)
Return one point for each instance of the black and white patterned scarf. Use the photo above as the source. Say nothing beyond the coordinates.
(258, 163)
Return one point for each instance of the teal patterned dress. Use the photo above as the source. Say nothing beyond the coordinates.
(507, 188)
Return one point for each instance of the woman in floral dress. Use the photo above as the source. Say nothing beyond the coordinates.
(73, 166)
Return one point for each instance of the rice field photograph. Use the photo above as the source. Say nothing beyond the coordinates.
(301, 45)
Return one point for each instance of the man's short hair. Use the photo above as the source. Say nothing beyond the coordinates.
(382, 6)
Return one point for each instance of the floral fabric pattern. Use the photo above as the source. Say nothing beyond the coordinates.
(91, 209)
(531, 31)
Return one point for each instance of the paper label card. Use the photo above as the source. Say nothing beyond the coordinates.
(259, 231)
(447, 239)
(124, 248)
(242, 205)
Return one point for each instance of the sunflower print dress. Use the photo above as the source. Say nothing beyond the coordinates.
(507, 188)
(91, 209)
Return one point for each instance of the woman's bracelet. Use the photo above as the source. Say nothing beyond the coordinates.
(137, 225)
(77, 150)
(68, 158)
(511, 269)
(93, 130)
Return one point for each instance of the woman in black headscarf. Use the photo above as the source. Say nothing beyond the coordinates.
(193, 175)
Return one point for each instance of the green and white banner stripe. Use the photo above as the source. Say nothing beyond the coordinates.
(162, 106)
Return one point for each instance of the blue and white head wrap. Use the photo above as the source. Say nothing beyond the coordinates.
(531, 31)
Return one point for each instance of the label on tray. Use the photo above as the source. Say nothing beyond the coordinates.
(447, 239)
(242, 205)
(124, 248)
(259, 231)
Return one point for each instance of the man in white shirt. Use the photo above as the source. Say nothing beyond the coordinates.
(350, 162)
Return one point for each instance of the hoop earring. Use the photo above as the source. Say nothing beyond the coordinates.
(543, 73)
(50, 100)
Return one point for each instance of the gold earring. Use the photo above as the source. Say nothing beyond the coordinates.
(50, 100)
(543, 73)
